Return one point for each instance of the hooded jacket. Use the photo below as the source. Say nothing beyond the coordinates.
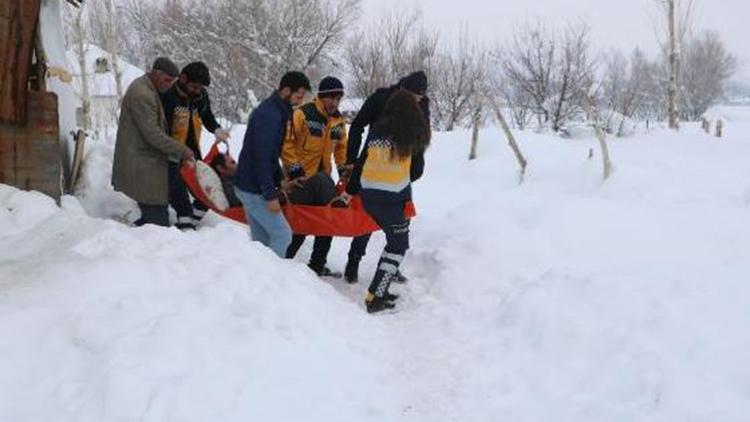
(369, 113)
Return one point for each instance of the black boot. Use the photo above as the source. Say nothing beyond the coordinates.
(391, 297)
(400, 278)
(378, 304)
(351, 273)
(326, 272)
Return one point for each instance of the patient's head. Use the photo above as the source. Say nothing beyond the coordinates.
(225, 165)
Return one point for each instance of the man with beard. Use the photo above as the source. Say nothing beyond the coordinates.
(259, 176)
(317, 137)
(188, 109)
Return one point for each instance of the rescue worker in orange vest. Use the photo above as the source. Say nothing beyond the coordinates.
(188, 109)
(317, 137)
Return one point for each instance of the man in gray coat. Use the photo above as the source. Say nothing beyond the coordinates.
(144, 148)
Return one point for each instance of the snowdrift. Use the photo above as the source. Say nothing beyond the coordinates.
(563, 298)
(102, 322)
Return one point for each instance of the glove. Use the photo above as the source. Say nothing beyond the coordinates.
(341, 201)
(296, 171)
(222, 135)
(345, 172)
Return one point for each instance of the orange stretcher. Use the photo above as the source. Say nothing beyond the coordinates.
(352, 221)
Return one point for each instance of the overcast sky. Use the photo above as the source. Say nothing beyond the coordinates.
(615, 23)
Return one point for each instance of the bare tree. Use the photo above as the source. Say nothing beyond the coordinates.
(77, 35)
(573, 74)
(678, 14)
(476, 123)
(627, 90)
(648, 92)
(707, 66)
(248, 44)
(396, 46)
(517, 102)
(522, 163)
(458, 75)
(594, 117)
(527, 65)
(365, 56)
(509, 96)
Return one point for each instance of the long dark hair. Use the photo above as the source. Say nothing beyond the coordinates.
(404, 124)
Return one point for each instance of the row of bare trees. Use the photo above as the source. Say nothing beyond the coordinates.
(247, 44)
(542, 76)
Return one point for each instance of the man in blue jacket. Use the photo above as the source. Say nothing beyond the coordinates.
(259, 174)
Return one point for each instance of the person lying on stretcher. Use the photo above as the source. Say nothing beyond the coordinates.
(317, 190)
(225, 166)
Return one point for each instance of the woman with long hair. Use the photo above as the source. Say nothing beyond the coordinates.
(392, 158)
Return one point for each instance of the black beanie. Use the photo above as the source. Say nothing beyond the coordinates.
(330, 87)
(197, 72)
(415, 83)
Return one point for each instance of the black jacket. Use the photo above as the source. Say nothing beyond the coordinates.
(185, 117)
(369, 114)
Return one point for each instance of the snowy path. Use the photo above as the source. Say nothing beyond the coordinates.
(560, 299)
(568, 299)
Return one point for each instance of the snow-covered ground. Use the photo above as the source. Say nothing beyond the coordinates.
(563, 298)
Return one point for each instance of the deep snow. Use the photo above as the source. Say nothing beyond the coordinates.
(563, 298)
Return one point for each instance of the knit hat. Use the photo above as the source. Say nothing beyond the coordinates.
(167, 66)
(330, 87)
(197, 72)
(415, 83)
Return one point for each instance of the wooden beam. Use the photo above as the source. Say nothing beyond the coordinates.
(18, 26)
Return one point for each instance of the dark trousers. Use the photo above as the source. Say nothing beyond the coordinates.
(358, 247)
(391, 219)
(317, 190)
(179, 198)
(153, 214)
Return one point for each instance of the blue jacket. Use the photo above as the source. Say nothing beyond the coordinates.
(258, 169)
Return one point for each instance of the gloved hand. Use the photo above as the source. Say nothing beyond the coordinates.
(296, 171)
(341, 201)
(345, 172)
(187, 155)
(222, 135)
(289, 185)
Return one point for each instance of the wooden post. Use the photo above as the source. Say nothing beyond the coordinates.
(522, 163)
(719, 128)
(601, 136)
(476, 121)
(75, 174)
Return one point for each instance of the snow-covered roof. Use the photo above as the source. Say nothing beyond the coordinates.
(101, 84)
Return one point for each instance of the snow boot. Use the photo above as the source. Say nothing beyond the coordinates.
(376, 304)
(391, 297)
(186, 224)
(326, 272)
(351, 273)
(400, 278)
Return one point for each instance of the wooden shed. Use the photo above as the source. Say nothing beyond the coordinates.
(30, 151)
